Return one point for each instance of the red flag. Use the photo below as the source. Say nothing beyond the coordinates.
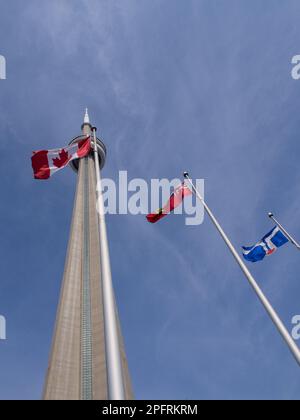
(176, 198)
(46, 162)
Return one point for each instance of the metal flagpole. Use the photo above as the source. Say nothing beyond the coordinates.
(116, 389)
(290, 238)
(272, 313)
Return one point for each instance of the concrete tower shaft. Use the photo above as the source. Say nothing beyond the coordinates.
(77, 365)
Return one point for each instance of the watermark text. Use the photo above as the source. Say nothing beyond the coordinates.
(2, 67)
(137, 196)
(2, 328)
(296, 328)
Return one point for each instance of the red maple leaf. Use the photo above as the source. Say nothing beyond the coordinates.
(62, 160)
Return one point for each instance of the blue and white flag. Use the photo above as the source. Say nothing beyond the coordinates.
(269, 243)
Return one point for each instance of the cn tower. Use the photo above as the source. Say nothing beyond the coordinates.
(88, 360)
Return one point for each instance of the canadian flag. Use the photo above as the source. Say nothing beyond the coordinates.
(46, 162)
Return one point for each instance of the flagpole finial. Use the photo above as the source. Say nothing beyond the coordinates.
(186, 174)
(270, 214)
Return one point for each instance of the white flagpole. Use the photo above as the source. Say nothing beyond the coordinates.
(116, 388)
(267, 305)
(290, 238)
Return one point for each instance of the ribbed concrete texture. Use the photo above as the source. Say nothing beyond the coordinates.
(77, 366)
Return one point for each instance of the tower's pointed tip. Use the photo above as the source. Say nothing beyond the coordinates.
(86, 117)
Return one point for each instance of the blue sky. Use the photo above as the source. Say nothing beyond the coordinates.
(173, 85)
